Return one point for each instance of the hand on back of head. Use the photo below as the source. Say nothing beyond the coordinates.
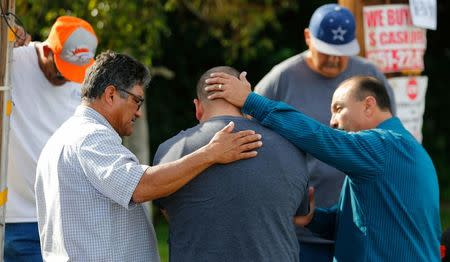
(229, 87)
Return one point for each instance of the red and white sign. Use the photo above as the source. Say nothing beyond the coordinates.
(391, 40)
(409, 94)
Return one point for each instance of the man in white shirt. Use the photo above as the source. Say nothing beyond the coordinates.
(46, 90)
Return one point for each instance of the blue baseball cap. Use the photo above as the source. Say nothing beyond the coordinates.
(332, 31)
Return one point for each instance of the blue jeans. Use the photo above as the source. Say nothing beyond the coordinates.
(313, 252)
(22, 243)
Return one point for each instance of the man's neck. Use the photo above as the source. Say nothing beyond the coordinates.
(215, 112)
(97, 107)
(40, 55)
(382, 116)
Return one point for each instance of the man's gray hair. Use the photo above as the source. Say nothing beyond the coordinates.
(111, 68)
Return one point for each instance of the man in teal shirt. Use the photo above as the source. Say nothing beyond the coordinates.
(389, 205)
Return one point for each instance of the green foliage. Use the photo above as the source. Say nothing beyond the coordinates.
(162, 231)
(236, 24)
(445, 216)
(126, 26)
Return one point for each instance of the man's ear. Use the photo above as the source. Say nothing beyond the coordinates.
(108, 95)
(47, 50)
(370, 105)
(307, 35)
(198, 109)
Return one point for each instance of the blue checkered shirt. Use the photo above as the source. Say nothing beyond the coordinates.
(84, 183)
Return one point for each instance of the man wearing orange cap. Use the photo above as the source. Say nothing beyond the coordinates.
(46, 81)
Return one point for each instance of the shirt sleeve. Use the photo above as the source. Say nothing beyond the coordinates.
(358, 154)
(110, 167)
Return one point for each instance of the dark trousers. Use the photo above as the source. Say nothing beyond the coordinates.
(22, 243)
(311, 252)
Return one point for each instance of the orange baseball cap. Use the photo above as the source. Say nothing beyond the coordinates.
(73, 43)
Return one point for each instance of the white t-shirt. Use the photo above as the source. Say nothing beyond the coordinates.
(39, 109)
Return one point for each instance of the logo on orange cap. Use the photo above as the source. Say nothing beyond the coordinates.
(73, 42)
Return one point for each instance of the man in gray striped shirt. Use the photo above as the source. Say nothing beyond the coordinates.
(89, 186)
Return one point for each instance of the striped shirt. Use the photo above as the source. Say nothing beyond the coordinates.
(389, 205)
(84, 183)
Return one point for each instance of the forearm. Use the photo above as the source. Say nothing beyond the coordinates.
(164, 179)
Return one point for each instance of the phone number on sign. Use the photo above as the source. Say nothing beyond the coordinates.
(396, 60)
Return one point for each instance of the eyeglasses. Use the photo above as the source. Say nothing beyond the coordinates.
(137, 99)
